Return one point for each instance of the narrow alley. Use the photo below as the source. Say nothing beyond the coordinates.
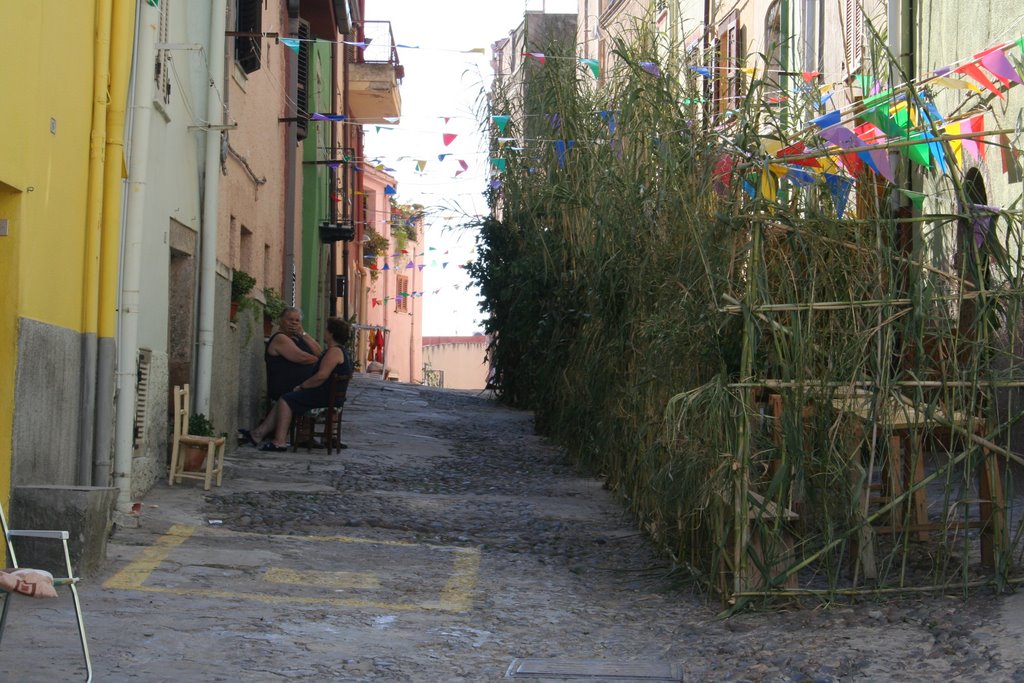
(448, 542)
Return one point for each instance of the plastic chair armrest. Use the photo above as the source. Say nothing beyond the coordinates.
(56, 535)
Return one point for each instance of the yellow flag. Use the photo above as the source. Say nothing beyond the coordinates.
(769, 186)
(956, 145)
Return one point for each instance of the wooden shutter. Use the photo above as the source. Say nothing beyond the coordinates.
(853, 35)
(302, 83)
(249, 19)
(162, 71)
(141, 399)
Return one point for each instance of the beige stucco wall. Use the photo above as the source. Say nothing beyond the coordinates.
(464, 363)
(252, 190)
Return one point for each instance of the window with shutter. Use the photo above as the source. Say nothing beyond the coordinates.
(302, 83)
(402, 295)
(162, 71)
(249, 19)
(853, 35)
(727, 73)
(773, 39)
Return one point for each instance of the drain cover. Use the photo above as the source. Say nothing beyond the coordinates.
(594, 670)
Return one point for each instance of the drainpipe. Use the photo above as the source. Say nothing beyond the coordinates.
(810, 25)
(93, 232)
(897, 14)
(211, 188)
(332, 170)
(290, 142)
(131, 258)
(121, 29)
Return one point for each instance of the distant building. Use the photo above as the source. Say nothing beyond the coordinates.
(456, 362)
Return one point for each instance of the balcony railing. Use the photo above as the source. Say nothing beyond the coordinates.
(374, 76)
(381, 47)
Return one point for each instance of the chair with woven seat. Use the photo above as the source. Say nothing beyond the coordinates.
(304, 427)
(37, 583)
(214, 446)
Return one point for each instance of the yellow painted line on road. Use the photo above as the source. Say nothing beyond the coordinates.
(455, 596)
(135, 573)
(295, 577)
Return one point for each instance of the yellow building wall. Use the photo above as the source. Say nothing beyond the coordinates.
(46, 81)
(44, 145)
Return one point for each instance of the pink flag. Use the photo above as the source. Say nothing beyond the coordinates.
(463, 164)
(449, 138)
(1000, 66)
(970, 145)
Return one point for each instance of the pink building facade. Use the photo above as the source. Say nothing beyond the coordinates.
(390, 280)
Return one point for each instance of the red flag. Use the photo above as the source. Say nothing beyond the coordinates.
(977, 126)
(449, 138)
(975, 72)
(794, 150)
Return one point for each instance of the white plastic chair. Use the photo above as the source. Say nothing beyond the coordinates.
(70, 580)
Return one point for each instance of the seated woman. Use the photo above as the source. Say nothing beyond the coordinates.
(310, 393)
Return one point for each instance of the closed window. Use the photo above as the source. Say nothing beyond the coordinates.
(853, 35)
(402, 295)
(727, 74)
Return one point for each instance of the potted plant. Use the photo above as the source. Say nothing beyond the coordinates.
(195, 456)
(273, 307)
(241, 284)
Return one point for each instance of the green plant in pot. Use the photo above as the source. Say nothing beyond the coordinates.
(241, 284)
(273, 308)
(195, 456)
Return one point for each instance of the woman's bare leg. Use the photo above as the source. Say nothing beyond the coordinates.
(284, 421)
(268, 423)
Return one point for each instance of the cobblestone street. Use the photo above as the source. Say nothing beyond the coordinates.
(450, 543)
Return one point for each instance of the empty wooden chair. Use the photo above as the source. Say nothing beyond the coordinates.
(214, 464)
(37, 583)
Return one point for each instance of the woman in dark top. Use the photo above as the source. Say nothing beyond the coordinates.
(310, 393)
(290, 354)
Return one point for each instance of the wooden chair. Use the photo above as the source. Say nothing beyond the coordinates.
(214, 446)
(69, 580)
(304, 427)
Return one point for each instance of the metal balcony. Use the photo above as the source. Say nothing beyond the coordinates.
(374, 78)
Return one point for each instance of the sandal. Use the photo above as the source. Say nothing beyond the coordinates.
(245, 436)
(272, 447)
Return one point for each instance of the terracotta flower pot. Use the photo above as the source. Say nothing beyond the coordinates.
(195, 457)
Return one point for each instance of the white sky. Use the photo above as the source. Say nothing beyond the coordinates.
(442, 82)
